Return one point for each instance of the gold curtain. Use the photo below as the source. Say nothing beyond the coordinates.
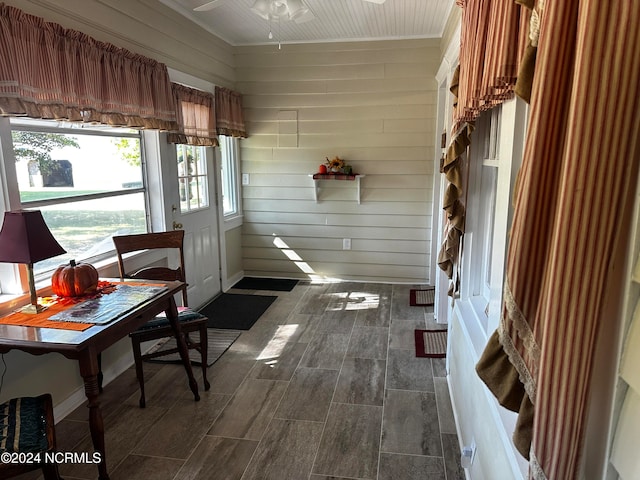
(196, 117)
(452, 201)
(47, 71)
(578, 177)
(229, 120)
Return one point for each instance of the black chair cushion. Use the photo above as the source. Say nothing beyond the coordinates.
(184, 315)
(23, 425)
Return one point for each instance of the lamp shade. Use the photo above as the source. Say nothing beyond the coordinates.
(25, 238)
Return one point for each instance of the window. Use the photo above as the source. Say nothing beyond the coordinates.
(483, 185)
(230, 173)
(192, 178)
(494, 158)
(87, 180)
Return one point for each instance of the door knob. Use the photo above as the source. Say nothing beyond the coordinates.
(176, 225)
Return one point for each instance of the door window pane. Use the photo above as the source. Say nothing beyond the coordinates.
(192, 177)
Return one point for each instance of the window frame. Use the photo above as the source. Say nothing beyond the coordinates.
(230, 162)
(13, 277)
(499, 142)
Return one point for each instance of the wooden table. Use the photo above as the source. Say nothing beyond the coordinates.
(84, 346)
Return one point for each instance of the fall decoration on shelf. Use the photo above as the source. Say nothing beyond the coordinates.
(74, 279)
(337, 165)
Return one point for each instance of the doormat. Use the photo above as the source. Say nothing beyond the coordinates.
(236, 311)
(422, 297)
(431, 343)
(218, 342)
(273, 284)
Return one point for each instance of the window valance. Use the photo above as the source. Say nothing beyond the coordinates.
(195, 115)
(229, 120)
(47, 71)
(493, 39)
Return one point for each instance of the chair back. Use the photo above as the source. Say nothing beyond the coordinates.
(172, 240)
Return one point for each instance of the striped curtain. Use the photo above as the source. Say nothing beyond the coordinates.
(196, 117)
(579, 174)
(229, 119)
(47, 71)
(492, 41)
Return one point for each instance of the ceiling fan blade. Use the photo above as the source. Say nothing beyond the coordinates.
(379, 2)
(209, 5)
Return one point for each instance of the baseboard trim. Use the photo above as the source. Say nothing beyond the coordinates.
(231, 281)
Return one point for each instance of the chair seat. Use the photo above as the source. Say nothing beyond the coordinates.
(184, 315)
(23, 425)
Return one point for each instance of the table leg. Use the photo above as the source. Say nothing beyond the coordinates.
(172, 316)
(89, 371)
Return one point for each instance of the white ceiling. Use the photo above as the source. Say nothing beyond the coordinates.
(335, 20)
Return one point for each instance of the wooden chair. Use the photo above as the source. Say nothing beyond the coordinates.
(159, 327)
(27, 428)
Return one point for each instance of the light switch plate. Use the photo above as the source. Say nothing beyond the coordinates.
(245, 179)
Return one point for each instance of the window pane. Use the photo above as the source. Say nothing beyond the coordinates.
(52, 165)
(229, 175)
(84, 229)
(192, 177)
(488, 201)
(60, 165)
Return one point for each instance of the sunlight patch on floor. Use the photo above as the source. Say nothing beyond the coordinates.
(354, 301)
(277, 343)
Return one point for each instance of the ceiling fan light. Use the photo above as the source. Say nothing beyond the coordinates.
(297, 9)
(278, 9)
(262, 8)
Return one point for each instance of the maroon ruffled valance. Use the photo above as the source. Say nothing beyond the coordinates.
(47, 71)
(196, 117)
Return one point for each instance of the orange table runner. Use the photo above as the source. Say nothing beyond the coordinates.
(42, 319)
(55, 305)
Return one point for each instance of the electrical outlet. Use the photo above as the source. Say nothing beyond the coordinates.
(468, 454)
(245, 179)
(346, 244)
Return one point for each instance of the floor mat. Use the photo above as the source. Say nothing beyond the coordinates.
(218, 342)
(273, 284)
(422, 297)
(236, 311)
(431, 343)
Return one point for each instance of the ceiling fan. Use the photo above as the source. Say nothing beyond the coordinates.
(216, 3)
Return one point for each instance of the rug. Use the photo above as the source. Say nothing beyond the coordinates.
(236, 311)
(273, 284)
(422, 297)
(431, 343)
(218, 342)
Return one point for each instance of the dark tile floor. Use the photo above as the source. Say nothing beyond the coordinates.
(324, 386)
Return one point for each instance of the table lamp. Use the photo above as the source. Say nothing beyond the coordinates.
(25, 238)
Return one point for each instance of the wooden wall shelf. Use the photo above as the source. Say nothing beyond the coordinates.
(319, 177)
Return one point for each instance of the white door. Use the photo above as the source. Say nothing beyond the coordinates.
(195, 212)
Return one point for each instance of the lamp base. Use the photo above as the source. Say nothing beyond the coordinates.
(32, 309)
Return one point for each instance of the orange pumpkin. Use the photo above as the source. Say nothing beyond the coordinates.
(74, 279)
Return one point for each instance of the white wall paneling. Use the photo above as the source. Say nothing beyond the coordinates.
(371, 103)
